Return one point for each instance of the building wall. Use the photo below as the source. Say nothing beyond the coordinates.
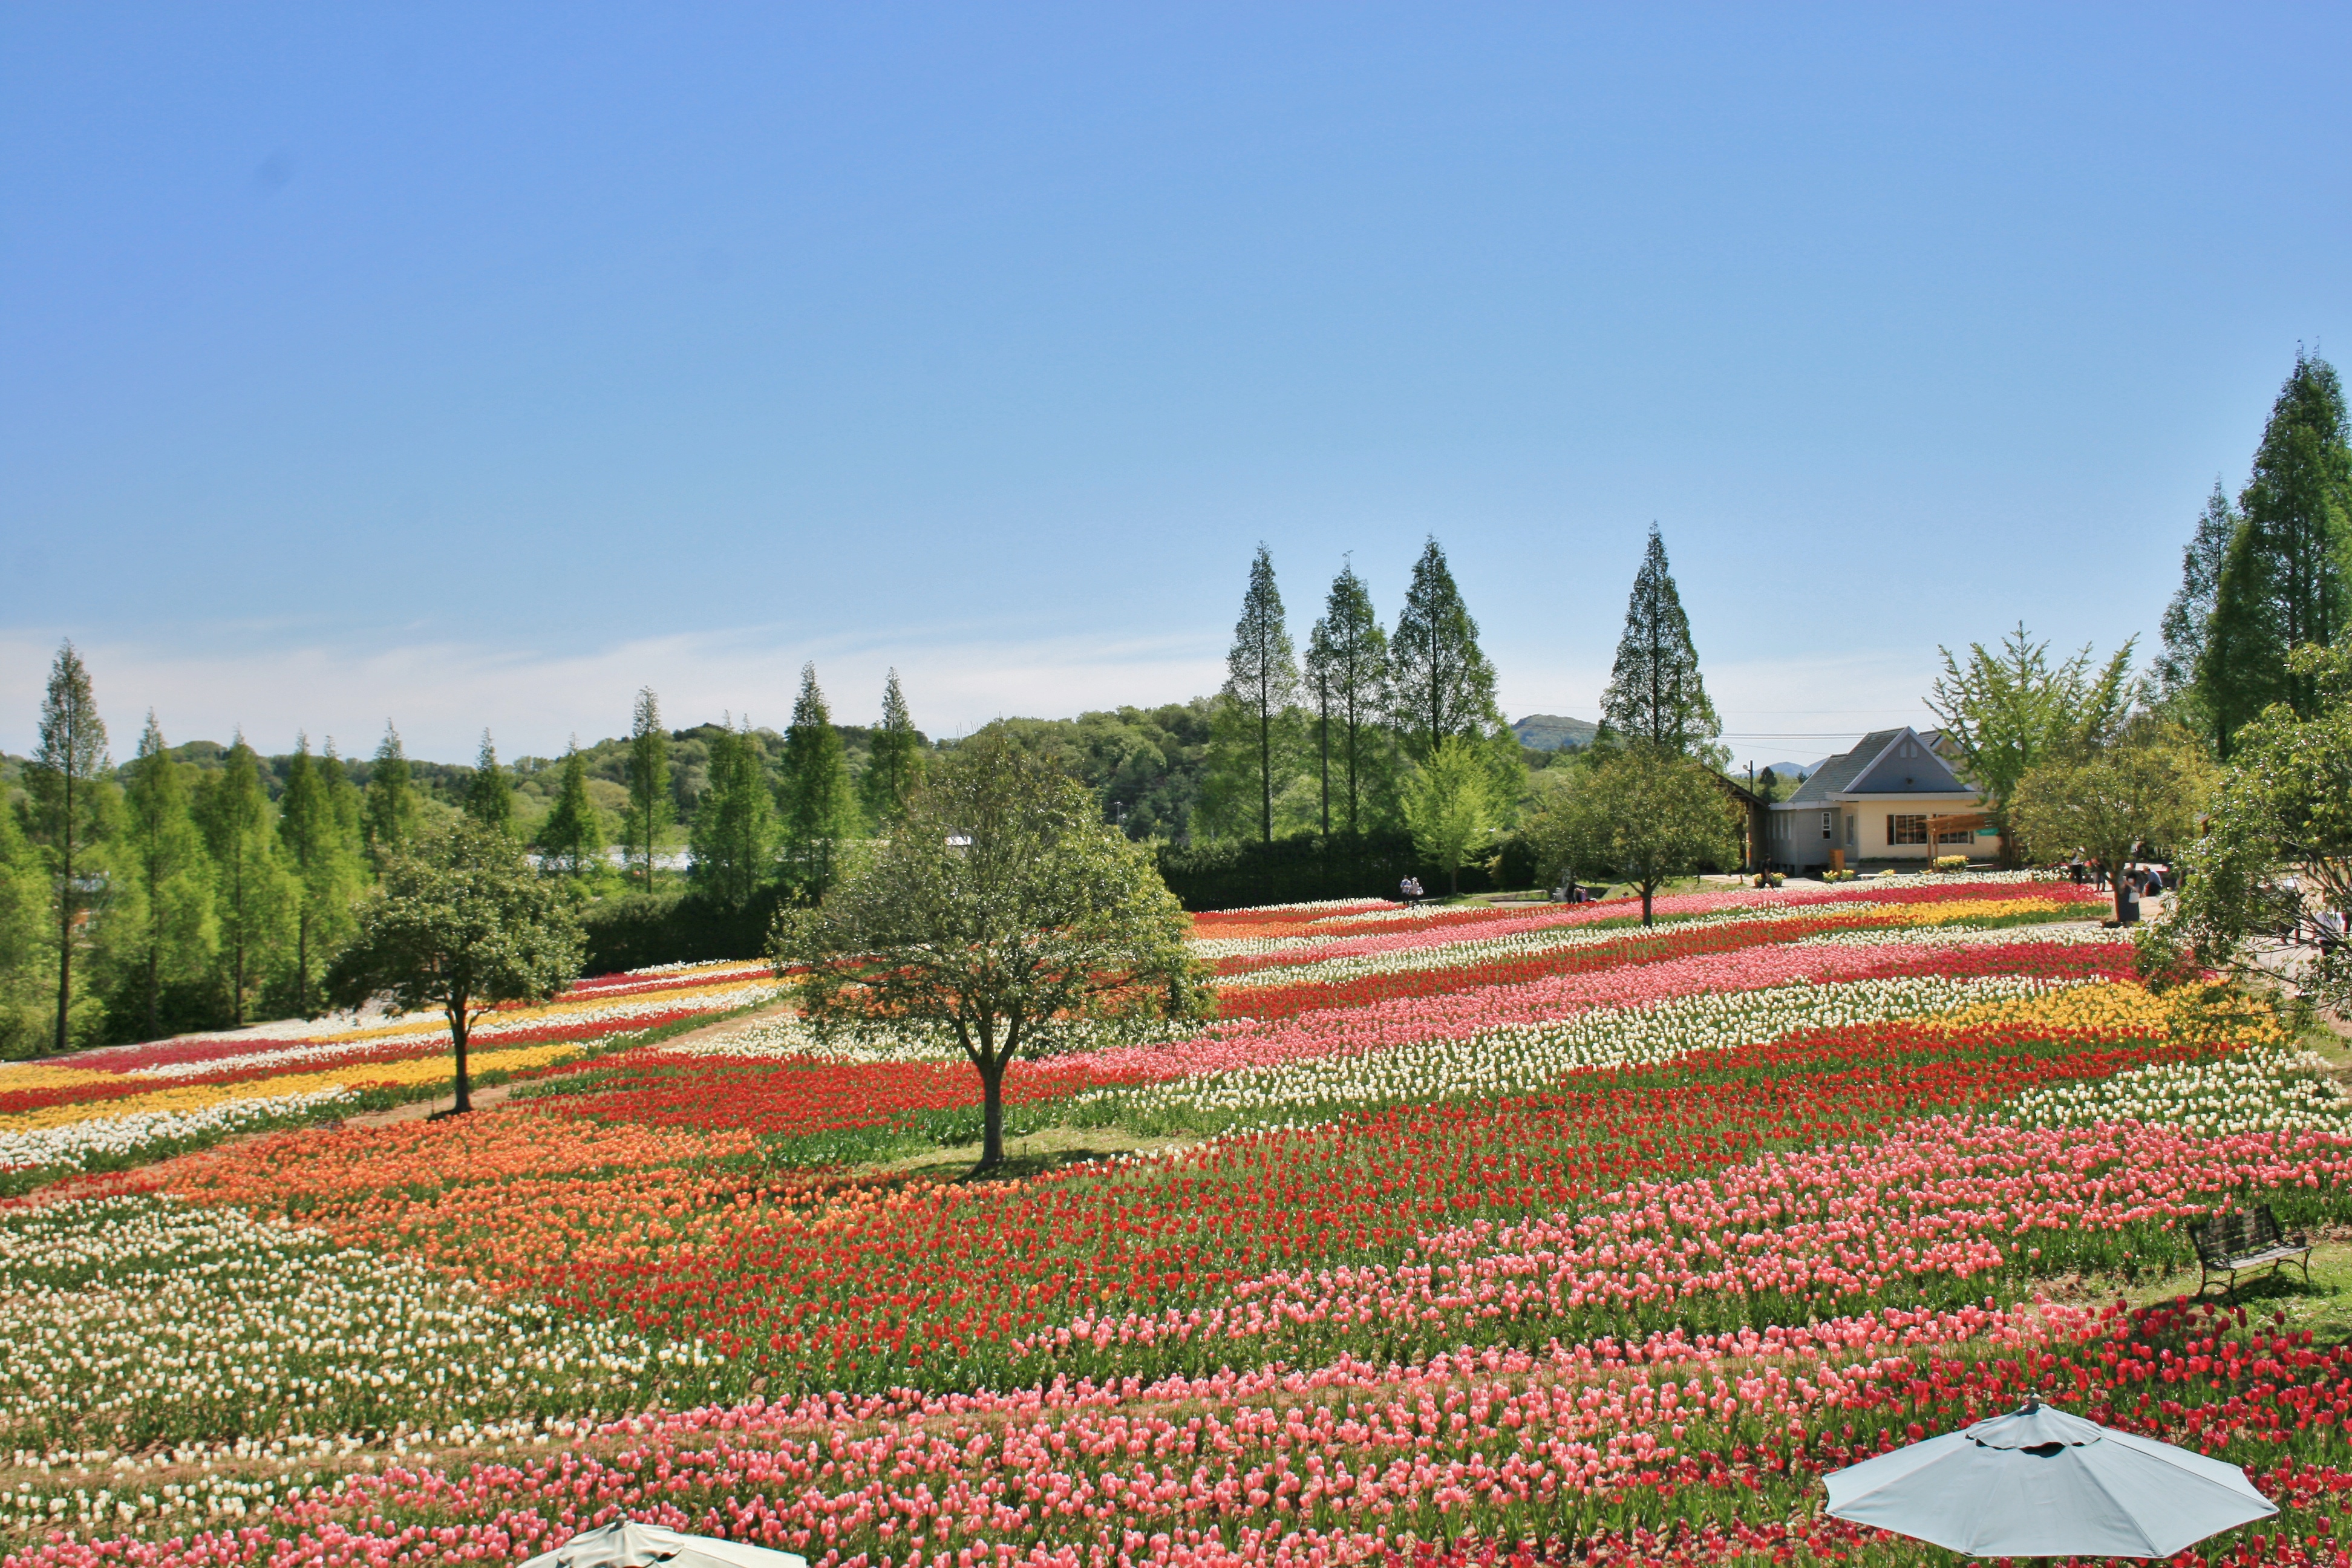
(1860, 828)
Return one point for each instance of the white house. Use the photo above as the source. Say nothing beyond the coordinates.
(1893, 798)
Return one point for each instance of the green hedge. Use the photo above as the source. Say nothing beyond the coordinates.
(1308, 867)
(633, 931)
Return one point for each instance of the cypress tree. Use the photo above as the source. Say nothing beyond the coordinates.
(1261, 689)
(350, 809)
(65, 779)
(733, 839)
(2286, 581)
(322, 853)
(1347, 661)
(819, 809)
(2189, 616)
(490, 794)
(573, 834)
(897, 761)
(650, 807)
(1441, 684)
(249, 882)
(391, 818)
(1655, 696)
(169, 873)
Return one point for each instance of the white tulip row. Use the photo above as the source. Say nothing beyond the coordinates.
(74, 1146)
(1520, 1057)
(2057, 929)
(132, 1321)
(2262, 1089)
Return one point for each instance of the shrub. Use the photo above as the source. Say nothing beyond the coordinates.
(1948, 863)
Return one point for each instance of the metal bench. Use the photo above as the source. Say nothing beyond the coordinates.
(2234, 1242)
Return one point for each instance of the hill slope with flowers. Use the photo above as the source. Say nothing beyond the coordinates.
(1463, 1233)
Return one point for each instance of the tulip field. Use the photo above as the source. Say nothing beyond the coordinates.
(1467, 1234)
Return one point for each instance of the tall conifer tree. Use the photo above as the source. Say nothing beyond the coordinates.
(164, 855)
(1656, 697)
(349, 806)
(650, 808)
(573, 834)
(391, 818)
(1348, 660)
(66, 780)
(2187, 618)
(2286, 581)
(820, 811)
(1260, 692)
(323, 855)
(490, 794)
(895, 764)
(249, 883)
(1440, 682)
(733, 838)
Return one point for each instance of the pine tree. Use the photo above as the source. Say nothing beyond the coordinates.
(168, 874)
(820, 811)
(65, 779)
(733, 837)
(2187, 617)
(323, 854)
(1260, 692)
(391, 818)
(2286, 581)
(250, 886)
(1347, 662)
(1439, 684)
(572, 837)
(650, 808)
(490, 794)
(1655, 696)
(896, 764)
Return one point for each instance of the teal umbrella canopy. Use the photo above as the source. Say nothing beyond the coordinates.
(2041, 1483)
(624, 1543)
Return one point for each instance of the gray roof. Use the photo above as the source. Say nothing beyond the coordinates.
(1839, 772)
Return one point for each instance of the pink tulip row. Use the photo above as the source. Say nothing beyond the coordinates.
(1949, 1198)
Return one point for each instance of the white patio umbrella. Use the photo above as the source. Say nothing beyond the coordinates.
(624, 1543)
(2041, 1483)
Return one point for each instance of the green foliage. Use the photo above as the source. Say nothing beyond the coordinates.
(2187, 616)
(390, 821)
(2278, 848)
(2286, 581)
(25, 936)
(321, 839)
(1254, 743)
(461, 923)
(650, 809)
(733, 836)
(1449, 806)
(1655, 696)
(895, 763)
(253, 900)
(2146, 788)
(1646, 815)
(164, 930)
(572, 838)
(1005, 914)
(1347, 674)
(1440, 683)
(1147, 766)
(70, 799)
(2009, 710)
(490, 794)
(820, 811)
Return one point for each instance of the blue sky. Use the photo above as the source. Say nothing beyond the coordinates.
(475, 364)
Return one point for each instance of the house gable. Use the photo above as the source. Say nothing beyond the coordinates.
(1908, 765)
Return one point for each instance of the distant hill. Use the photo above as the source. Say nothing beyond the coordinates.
(1793, 770)
(1549, 732)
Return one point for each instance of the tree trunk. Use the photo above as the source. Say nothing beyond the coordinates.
(465, 1101)
(992, 1115)
(1648, 888)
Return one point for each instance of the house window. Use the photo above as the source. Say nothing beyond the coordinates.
(1956, 835)
(1906, 829)
(1829, 822)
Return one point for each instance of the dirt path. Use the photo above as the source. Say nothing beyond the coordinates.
(499, 1093)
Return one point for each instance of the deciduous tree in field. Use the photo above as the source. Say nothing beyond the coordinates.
(68, 795)
(1003, 913)
(1645, 815)
(650, 807)
(459, 923)
(1449, 806)
(2009, 710)
(168, 877)
(2146, 787)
